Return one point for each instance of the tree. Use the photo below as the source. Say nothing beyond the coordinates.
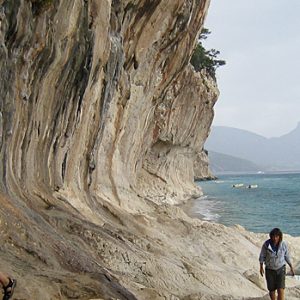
(206, 59)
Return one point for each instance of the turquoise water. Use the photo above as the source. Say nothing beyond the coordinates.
(274, 203)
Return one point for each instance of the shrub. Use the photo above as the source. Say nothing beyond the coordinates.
(203, 59)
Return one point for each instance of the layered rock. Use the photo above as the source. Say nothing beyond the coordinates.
(94, 91)
(101, 116)
(101, 119)
(201, 167)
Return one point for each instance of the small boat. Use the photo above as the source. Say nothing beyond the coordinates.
(252, 186)
(237, 185)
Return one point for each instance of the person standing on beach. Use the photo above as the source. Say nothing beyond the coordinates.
(274, 254)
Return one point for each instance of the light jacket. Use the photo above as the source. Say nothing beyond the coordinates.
(272, 259)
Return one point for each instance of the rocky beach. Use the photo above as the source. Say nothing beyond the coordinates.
(102, 126)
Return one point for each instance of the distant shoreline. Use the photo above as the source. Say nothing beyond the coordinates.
(256, 173)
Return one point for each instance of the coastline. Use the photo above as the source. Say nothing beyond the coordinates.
(273, 203)
(246, 260)
(205, 214)
(188, 208)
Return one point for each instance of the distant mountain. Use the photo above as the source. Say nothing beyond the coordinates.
(281, 153)
(223, 163)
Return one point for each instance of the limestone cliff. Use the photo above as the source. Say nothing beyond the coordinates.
(201, 167)
(98, 99)
(101, 118)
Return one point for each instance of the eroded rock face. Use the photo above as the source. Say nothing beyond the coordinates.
(93, 92)
(201, 167)
(101, 119)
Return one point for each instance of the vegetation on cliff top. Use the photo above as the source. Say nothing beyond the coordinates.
(203, 59)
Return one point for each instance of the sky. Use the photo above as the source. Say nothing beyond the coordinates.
(260, 83)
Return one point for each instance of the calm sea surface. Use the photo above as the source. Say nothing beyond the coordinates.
(274, 203)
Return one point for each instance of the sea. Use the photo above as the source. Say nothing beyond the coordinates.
(273, 200)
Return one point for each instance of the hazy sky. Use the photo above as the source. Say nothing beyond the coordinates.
(260, 83)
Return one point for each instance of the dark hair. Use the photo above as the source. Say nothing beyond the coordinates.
(276, 232)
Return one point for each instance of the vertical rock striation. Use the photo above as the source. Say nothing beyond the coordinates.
(101, 116)
(98, 100)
